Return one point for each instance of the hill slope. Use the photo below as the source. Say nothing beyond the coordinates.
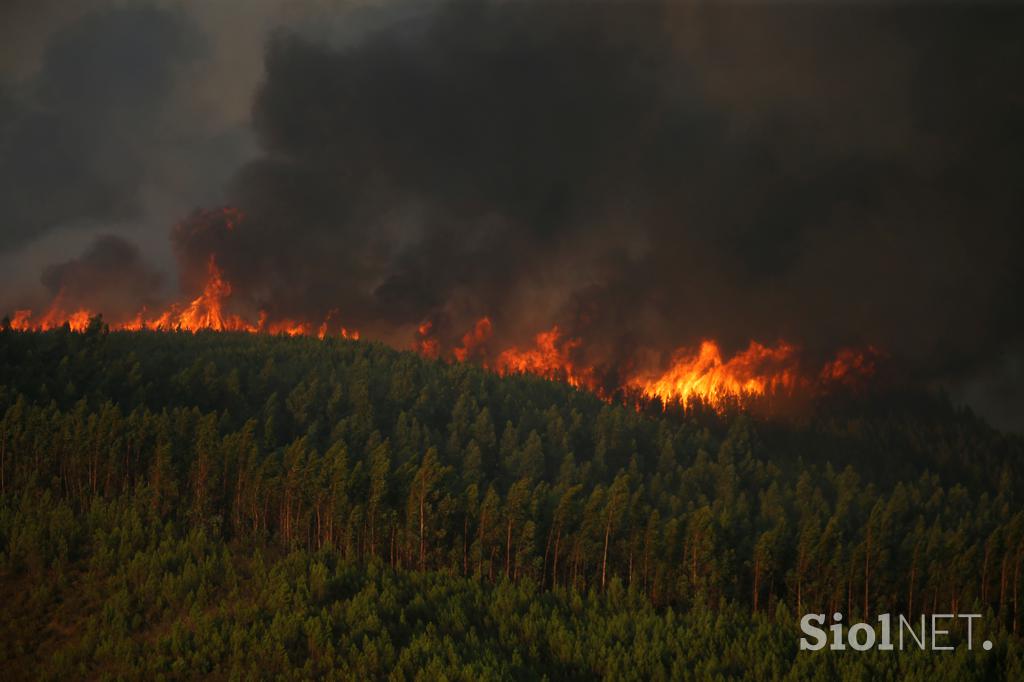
(244, 505)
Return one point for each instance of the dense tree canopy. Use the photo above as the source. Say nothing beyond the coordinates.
(253, 506)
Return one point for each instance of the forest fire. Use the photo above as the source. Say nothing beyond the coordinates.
(702, 373)
(204, 312)
(550, 357)
(705, 372)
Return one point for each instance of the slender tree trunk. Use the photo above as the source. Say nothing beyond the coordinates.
(508, 549)
(1016, 581)
(984, 574)
(423, 529)
(647, 550)
(604, 557)
(910, 598)
(849, 596)
(373, 518)
(547, 553)
(757, 578)
(236, 515)
(629, 575)
(127, 464)
(554, 565)
(575, 565)
(319, 536)
(480, 543)
(867, 573)
(1002, 589)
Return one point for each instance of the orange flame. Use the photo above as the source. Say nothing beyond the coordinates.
(706, 375)
(22, 320)
(205, 312)
(474, 340)
(702, 373)
(425, 344)
(548, 358)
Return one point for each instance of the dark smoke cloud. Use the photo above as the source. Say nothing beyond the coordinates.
(443, 165)
(110, 276)
(643, 174)
(76, 139)
(646, 175)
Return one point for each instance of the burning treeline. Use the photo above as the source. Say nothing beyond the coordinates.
(703, 371)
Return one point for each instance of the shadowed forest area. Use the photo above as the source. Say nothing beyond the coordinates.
(247, 506)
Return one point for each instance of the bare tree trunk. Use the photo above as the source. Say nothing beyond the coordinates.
(757, 577)
(508, 549)
(547, 553)
(373, 537)
(604, 558)
(480, 542)
(984, 574)
(647, 550)
(849, 595)
(554, 565)
(629, 575)
(575, 565)
(1002, 589)
(423, 531)
(867, 573)
(127, 464)
(319, 536)
(910, 598)
(1016, 580)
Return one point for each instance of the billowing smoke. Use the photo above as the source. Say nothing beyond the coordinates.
(643, 175)
(110, 276)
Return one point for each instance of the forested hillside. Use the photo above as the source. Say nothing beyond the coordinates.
(245, 506)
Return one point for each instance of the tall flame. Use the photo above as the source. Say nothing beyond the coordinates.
(473, 341)
(207, 311)
(705, 374)
(550, 357)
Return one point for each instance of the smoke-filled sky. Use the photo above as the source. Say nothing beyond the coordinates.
(644, 175)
